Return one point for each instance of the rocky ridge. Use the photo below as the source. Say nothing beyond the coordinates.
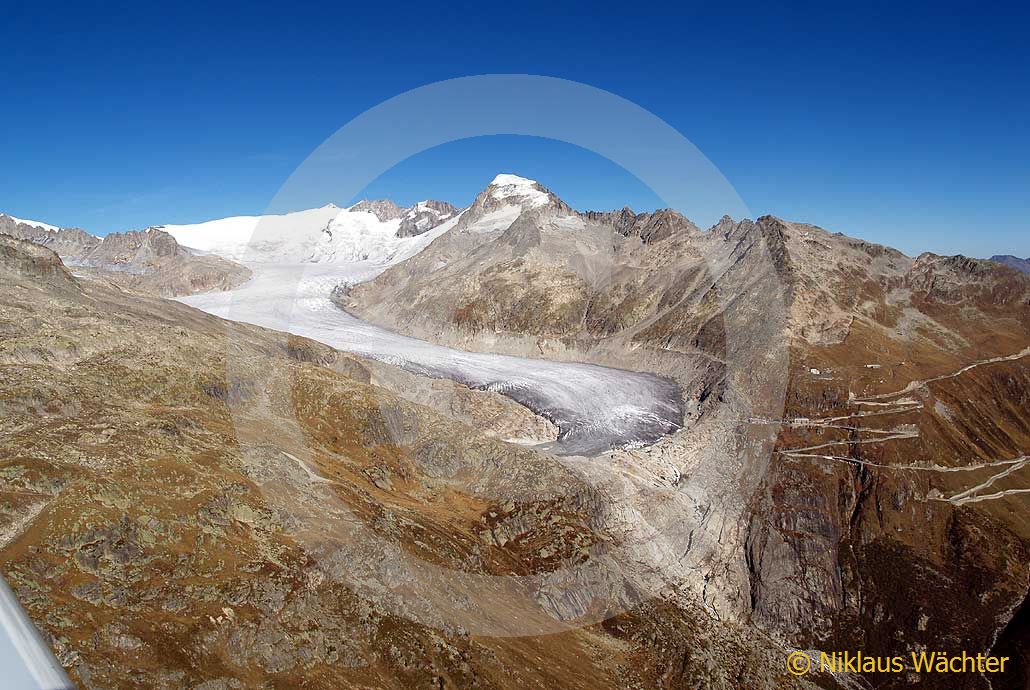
(415, 220)
(150, 261)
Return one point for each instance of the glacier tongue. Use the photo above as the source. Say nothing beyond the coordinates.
(595, 407)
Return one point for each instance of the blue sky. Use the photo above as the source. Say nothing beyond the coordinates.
(906, 126)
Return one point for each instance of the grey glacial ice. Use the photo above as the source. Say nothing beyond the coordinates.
(595, 408)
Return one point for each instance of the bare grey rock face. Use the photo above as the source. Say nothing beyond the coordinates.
(424, 216)
(68, 242)
(132, 251)
(649, 227)
(152, 261)
(415, 220)
(383, 209)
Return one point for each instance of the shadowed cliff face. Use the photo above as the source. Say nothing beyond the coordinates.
(892, 515)
(167, 525)
(1014, 642)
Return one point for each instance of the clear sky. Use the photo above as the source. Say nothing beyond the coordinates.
(906, 126)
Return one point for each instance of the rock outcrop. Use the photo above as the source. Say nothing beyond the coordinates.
(424, 216)
(383, 209)
(415, 220)
(22, 259)
(69, 242)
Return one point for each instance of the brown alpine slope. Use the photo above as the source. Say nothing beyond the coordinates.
(893, 512)
(170, 522)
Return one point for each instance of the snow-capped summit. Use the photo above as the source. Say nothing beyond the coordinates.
(34, 223)
(506, 198)
(257, 238)
(505, 179)
(507, 186)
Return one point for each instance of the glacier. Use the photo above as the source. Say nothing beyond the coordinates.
(302, 257)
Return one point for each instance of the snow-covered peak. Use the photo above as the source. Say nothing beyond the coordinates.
(505, 199)
(420, 207)
(507, 186)
(505, 179)
(34, 223)
(322, 235)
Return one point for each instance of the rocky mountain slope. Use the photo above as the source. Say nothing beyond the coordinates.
(188, 502)
(150, 261)
(70, 242)
(899, 435)
(1013, 262)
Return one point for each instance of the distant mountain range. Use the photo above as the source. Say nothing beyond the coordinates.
(1013, 261)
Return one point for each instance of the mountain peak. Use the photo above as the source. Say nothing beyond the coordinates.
(505, 179)
(383, 209)
(32, 223)
(424, 216)
(505, 199)
(507, 186)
